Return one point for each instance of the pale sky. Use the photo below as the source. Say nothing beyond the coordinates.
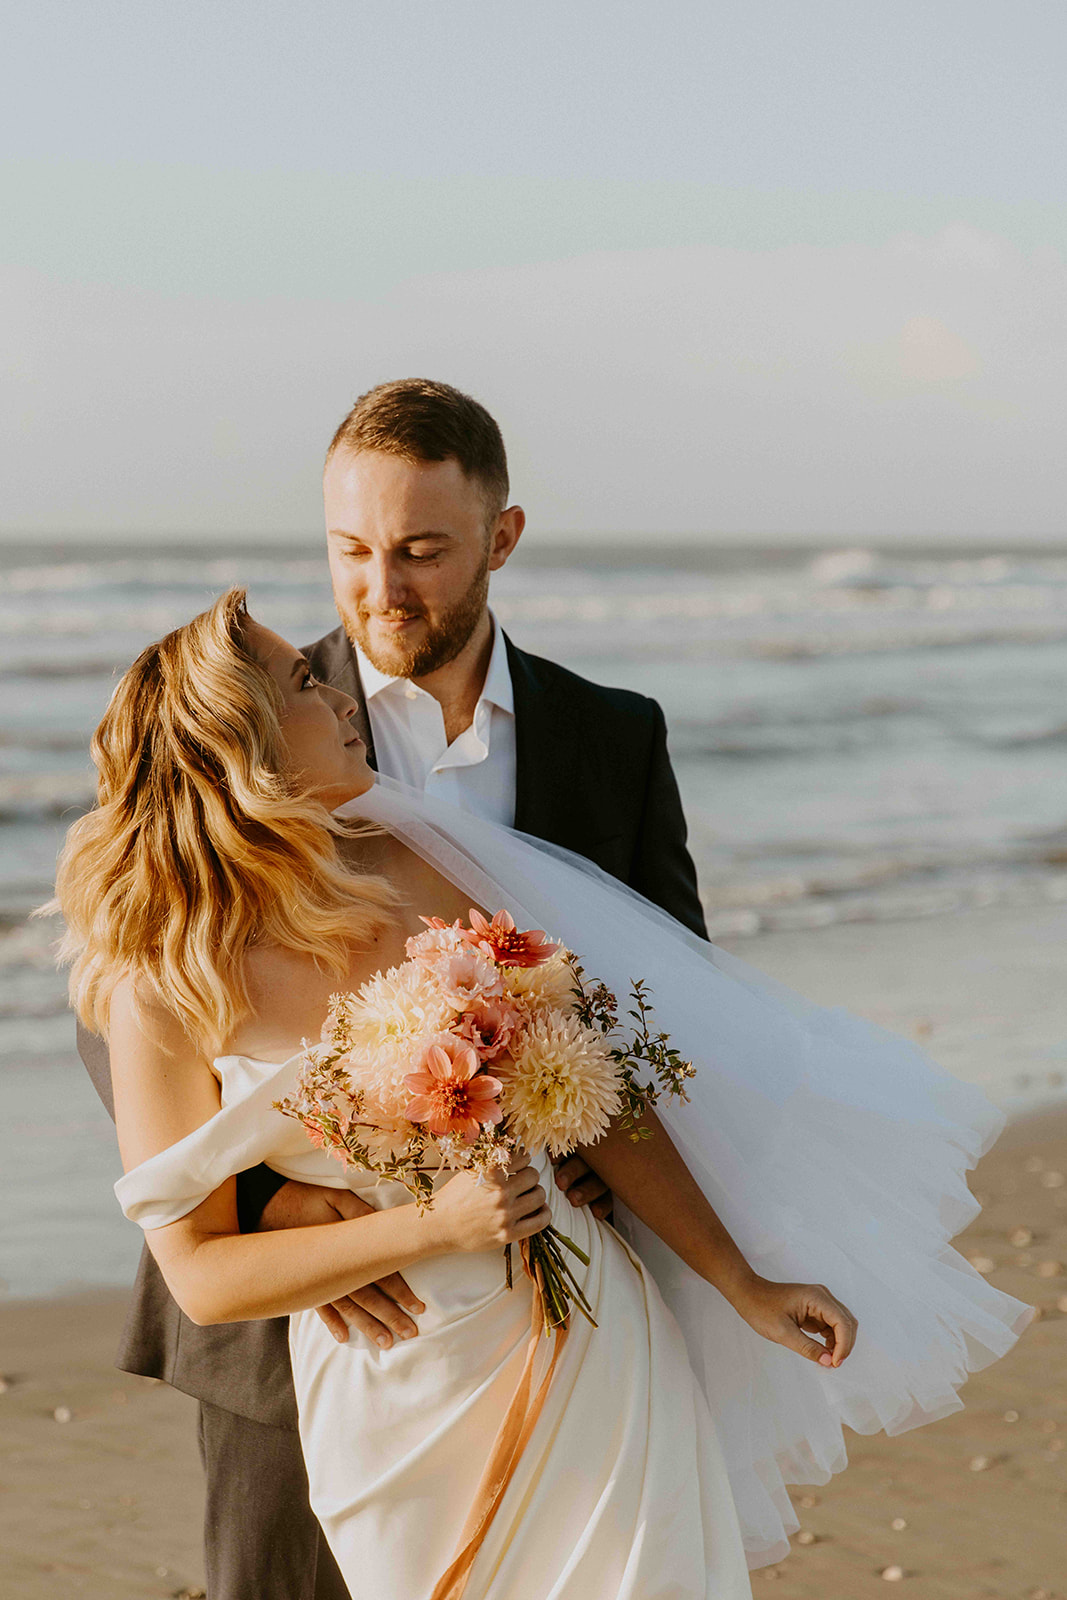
(743, 268)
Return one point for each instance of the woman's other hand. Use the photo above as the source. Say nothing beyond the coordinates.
(790, 1314)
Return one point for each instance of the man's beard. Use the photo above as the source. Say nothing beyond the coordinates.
(438, 647)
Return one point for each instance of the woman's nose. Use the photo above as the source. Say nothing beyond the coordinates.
(344, 706)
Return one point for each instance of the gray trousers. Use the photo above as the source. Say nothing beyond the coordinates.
(261, 1539)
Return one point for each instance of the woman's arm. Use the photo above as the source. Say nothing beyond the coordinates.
(653, 1181)
(164, 1090)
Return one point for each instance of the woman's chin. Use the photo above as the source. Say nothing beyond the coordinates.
(340, 794)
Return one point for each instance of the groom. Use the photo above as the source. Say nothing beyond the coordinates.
(417, 516)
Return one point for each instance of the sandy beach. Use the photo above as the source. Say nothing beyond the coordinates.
(101, 1479)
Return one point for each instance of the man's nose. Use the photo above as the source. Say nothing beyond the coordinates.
(386, 590)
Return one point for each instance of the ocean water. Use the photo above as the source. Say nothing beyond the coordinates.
(860, 735)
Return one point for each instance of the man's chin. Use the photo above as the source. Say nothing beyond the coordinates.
(394, 653)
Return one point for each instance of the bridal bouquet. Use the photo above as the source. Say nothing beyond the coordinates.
(486, 1038)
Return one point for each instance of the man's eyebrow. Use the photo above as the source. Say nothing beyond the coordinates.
(409, 538)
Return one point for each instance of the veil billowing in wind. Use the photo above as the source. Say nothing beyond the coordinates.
(834, 1152)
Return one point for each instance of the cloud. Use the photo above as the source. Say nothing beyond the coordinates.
(923, 354)
(849, 391)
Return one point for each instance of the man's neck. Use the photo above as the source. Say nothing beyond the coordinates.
(458, 685)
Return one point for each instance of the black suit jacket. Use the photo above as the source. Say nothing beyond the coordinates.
(592, 774)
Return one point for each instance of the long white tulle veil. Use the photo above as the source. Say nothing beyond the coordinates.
(834, 1152)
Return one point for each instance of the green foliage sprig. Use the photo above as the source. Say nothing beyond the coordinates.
(597, 1007)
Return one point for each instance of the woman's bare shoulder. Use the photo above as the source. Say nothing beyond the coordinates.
(138, 1015)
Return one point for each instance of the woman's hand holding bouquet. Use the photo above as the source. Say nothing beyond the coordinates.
(477, 1212)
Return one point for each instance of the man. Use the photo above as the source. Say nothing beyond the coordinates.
(417, 516)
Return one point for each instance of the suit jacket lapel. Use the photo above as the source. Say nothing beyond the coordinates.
(543, 755)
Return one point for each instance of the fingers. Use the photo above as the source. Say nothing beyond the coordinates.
(842, 1328)
(580, 1183)
(334, 1322)
(398, 1289)
(524, 1195)
(516, 1161)
(526, 1226)
(523, 1182)
(589, 1191)
(372, 1312)
(834, 1322)
(571, 1170)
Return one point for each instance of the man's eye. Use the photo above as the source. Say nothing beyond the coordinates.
(423, 555)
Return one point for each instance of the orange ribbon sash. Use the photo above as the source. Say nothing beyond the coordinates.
(511, 1440)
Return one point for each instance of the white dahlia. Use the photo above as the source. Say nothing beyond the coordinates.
(560, 1084)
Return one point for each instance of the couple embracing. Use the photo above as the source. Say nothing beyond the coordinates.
(270, 826)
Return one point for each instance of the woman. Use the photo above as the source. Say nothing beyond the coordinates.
(213, 905)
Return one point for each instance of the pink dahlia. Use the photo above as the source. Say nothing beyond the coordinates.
(503, 941)
(465, 977)
(440, 939)
(489, 1025)
(451, 1093)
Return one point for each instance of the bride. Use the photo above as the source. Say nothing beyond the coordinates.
(240, 867)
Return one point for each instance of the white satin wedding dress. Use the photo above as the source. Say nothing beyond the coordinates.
(833, 1151)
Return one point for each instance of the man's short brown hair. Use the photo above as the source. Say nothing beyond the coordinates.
(420, 420)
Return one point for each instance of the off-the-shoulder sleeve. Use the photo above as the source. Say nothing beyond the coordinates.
(245, 1132)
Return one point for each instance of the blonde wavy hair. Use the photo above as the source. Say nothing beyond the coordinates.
(199, 846)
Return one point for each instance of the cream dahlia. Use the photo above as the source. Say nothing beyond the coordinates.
(394, 1005)
(560, 1084)
(440, 939)
(550, 984)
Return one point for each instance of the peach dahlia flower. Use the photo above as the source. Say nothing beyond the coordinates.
(501, 940)
(451, 1094)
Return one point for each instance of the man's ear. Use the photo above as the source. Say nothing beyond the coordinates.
(505, 536)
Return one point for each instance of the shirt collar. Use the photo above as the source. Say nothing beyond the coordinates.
(497, 689)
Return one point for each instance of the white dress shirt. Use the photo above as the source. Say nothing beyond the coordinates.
(477, 770)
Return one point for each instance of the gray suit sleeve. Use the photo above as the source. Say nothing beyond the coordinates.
(663, 869)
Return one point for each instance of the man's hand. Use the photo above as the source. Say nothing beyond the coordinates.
(582, 1186)
(378, 1310)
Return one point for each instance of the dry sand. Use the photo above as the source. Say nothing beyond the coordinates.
(100, 1485)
